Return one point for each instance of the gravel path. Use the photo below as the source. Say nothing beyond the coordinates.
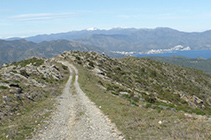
(77, 118)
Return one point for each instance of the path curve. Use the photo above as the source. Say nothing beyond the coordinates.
(77, 118)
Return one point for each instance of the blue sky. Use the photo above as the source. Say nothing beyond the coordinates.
(31, 17)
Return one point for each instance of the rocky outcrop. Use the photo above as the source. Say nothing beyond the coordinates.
(48, 71)
(28, 81)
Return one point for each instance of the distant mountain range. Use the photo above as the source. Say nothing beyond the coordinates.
(144, 40)
(76, 34)
(17, 50)
(131, 39)
(116, 39)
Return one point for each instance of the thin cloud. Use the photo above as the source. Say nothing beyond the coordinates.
(127, 16)
(172, 18)
(205, 15)
(113, 10)
(6, 10)
(41, 16)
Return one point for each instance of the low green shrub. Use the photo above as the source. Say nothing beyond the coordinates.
(6, 82)
(115, 93)
(150, 99)
(16, 81)
(3, 87)
(35, 61)
(148, 105)
(24, 73)
(64, 67)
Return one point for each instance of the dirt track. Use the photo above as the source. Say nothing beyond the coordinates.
(76, 117)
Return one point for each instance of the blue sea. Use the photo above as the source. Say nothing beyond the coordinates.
(190, 54)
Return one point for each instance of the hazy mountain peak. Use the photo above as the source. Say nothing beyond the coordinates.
(120, 28)
(92, 29)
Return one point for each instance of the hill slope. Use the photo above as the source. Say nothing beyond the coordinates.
(197, 63)
(27, 91)
(145, 97)
(150, 79)
(142, 96)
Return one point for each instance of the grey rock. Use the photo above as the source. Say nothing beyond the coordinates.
(1, 115)
(124, 93)
(48, 71)
(54, 94)
(6, 98)
(173, 109)
(8, 107)
(163, 107)
(15, 89)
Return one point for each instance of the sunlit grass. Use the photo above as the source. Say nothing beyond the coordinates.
(138, 122)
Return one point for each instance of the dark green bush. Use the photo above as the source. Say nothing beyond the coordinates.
(153, 74)
(150, 99)
(6, 82)
(78, 58)
(24, 73)
(148, 105)
(91, 64)
(35, 61)
(16, 81)
(3, 87)
(115, 93)
(64, 67)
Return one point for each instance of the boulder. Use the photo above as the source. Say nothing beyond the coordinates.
(6, 98)
(124, 93)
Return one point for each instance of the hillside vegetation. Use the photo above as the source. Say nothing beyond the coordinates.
(145, 98)
(27, 92)
(197, 63)
(154, 81)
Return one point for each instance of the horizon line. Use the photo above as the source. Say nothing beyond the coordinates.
(95, 28)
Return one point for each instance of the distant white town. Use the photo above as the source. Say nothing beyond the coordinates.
(176, 48)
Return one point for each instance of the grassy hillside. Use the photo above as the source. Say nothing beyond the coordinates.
(147, 99)
(197, 63)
